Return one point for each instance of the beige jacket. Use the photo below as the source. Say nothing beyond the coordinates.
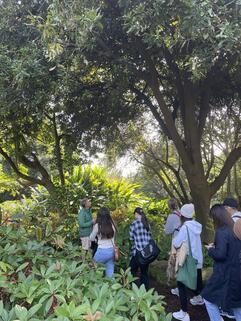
(180, 255)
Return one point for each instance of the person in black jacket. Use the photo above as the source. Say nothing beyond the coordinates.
(223, 289)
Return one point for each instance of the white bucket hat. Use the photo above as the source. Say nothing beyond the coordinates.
(187, 210)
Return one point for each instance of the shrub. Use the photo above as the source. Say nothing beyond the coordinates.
(39, 283)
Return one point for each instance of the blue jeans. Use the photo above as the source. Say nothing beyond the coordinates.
(106, 256)
(214, 313)
(237, 314)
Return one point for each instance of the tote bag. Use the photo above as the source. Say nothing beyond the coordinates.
(187, 274)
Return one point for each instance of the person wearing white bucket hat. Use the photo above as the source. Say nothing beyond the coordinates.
(194, 229)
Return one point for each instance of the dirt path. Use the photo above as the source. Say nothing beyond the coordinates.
(197, 313)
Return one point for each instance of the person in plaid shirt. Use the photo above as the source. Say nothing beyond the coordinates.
(140, 236)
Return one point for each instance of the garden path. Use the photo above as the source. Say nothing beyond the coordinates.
(197, 313)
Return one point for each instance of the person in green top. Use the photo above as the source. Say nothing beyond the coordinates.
(86, 222)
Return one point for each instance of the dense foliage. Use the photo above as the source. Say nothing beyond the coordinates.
(38, 282)
(42, 213)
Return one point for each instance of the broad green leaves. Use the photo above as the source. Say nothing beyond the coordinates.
(59, 287)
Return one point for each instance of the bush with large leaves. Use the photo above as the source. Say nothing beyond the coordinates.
(62, 206)
(40, 213)
(39, 283)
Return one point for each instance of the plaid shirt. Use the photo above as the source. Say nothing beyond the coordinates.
(139, 235)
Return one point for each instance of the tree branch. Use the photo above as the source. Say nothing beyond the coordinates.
(153, 109)
(204, 109)
(166, 163)
(15, 168)
(58, 152)
(230, 161)
(36, 165)
(153, 82)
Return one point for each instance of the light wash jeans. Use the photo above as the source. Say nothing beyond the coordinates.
(214, 313)
(106, 256)
(237, 314)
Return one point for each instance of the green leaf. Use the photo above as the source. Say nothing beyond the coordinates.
(1, 307)
(34, 309)
(116, 286)
(62, 311)
(82, 309)
(22, 266)
(4, 266)
(48, 304)
(21, 313)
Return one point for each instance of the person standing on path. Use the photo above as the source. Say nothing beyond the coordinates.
(194, 229)
(231, 206)
(140, 236)
(86, 222)
(171, 227)
(223, 288)
(173, 221)
(105, 230)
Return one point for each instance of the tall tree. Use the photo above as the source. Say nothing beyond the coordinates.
(46, 106)
(176, 58)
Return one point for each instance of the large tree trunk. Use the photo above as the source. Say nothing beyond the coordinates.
(194, 107)
(201, 197)
(58, 154)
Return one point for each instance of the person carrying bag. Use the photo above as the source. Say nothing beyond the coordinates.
(149, 253)
(189, 274)
(105, 231)
(144, 249)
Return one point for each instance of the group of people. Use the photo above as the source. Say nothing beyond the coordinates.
(222, 292)
(101, 231)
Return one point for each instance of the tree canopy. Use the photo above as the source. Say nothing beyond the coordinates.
(178, 60)
(74, 73)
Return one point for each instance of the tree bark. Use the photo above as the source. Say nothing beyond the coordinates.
(201, 197)
(35, 164)
(189, 147)
(58, 152)
(236, 185)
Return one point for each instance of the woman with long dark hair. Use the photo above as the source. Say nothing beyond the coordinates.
(223, 289)
(140, 236)
(105, 230)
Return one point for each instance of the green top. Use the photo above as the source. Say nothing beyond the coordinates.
(85, 222)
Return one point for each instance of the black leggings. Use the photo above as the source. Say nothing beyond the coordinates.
(183, 292)
(135, 265)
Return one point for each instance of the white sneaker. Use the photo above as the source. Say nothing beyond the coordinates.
(197, 300)
(181, 315)
(175, 291)
(228, 315)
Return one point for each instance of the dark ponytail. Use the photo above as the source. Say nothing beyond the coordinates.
(144, 219)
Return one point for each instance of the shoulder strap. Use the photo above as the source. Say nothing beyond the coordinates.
(236, 216)
(189, 242)
(177, 213)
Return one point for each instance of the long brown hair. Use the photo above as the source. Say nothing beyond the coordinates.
(220, 216)
(106, 226)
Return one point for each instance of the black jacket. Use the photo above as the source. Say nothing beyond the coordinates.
(224, 286)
